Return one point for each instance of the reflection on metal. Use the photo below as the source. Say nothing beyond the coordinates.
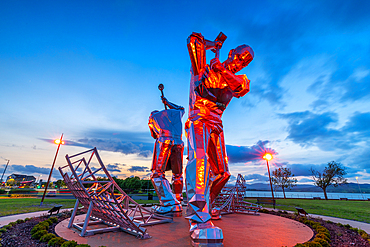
(166, 129)
(211, 89)
(231, 200)
(105, 201)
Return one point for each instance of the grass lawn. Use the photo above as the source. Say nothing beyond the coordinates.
(26, 205)
(352, 210)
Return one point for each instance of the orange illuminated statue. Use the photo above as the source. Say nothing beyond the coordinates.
(166, 128)
(211, 89)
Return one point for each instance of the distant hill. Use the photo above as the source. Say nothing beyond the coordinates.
(348, 188)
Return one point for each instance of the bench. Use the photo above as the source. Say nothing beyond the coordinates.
(266, 201)
(55, 209)
(301, 211)
(317, 198)
(343, 199)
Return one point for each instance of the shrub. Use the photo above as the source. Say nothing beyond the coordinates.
(2, 230)
(27, 219)
(69, 244)
(2, 192)
(47, 237)
(53, 219)
(39, 234)
(83, 245)
(19, 221)
(20, 195)
(348, 226)
(49, 222)
(7, 226)
(56, 242)
(322, 238)
(40, 226)
(12, 223)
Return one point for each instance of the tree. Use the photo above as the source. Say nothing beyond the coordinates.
(283, 177)
(133, 184)
(60, 183)
(332, 175)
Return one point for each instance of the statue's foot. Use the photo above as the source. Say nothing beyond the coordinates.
(216, 213)
(206, 234)
(175, 210)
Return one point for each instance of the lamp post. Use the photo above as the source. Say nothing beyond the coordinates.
(359, 188)
(267, 157)
(59, 142)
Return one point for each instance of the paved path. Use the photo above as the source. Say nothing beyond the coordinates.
(353, 223)
(4, 220)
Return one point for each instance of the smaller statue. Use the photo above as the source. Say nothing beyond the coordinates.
(166, 127)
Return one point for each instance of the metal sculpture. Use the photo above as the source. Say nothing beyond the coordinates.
(231, 200)
(211, 89)
(105, 201)
(166, 128)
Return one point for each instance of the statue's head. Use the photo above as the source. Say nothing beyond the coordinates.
(239, 58)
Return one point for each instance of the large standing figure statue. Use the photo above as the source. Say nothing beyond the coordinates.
(211, 89)
(166, 128)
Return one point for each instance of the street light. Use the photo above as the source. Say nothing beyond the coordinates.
(267, 157)
(359, 188)
(59, 142)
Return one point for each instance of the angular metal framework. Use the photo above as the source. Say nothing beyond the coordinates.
(105, 201)
(231, 200)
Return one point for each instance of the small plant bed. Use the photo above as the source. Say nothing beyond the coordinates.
(38, 231)
(327, 233)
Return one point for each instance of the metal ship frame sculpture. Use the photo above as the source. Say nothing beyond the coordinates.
(105, 201)
(231, 200)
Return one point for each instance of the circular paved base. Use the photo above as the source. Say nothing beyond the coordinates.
(238, 229)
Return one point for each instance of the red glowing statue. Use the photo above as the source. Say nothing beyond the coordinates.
(211, 89)
(166, 128)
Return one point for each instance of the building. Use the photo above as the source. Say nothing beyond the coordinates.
(18, 179)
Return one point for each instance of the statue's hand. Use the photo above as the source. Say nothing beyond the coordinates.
(216, 65)
(164, 100)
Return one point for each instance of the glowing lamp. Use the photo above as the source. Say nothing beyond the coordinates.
(267, 156)
(57, 141)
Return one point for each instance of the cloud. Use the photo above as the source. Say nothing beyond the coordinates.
(304, 169)
(138, 169)
(239, 154)
(125, 142)
(358, 124)
(256, 178)
(31, 170)
(309, 129)
(113, 168)
(312, 129)
(28, 169)
(305, 180)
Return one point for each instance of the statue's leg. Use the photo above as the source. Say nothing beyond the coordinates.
(219, 169)
(167, 199)
(176, 167)
(202, 229)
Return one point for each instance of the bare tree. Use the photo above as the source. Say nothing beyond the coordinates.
(283, 177)
(332, 175)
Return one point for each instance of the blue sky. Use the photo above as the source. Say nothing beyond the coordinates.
(90, 70)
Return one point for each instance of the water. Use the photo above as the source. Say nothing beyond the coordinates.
(310, 195)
